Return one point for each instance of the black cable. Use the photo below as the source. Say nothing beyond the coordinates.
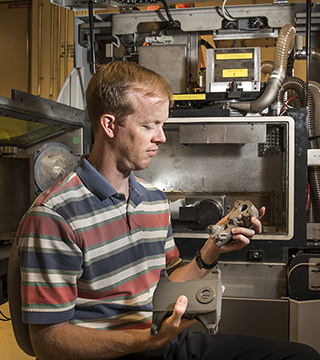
(166, 8)
(314, 137)
(6, 318)
(206, 44)
(139, 43)
(164, 3)
(91, 35)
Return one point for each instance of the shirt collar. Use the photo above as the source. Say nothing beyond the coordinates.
(98, 185)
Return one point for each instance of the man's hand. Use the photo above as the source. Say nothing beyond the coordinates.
(210, 251)
(175, 324)
(242, 236)
(65, 341)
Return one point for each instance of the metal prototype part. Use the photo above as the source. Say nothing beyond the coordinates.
(240, 216)
(204, 300)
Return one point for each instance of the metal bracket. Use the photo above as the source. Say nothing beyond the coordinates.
(240, 216)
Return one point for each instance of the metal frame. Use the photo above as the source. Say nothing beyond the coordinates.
(33, 108)
(203, 19)
(290, 165)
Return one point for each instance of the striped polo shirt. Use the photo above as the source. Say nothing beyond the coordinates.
(90, 257)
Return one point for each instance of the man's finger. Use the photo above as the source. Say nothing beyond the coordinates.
(179, 309)
(262, 211)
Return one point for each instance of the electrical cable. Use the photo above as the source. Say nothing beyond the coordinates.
(225, 12)
(91, 35)
(139, 43)
(297, 265)
(206, 44)
(6, 318)
(118, 41)
(228, 13)
(313, 137)
(301, 264)
(166, 8)
(286, 105)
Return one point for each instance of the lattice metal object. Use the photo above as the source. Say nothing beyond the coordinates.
(240, 216)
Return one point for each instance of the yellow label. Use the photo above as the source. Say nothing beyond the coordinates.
(231, 73)
(234, 56)
(189, 96)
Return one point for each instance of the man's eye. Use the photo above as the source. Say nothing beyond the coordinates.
(149, 126)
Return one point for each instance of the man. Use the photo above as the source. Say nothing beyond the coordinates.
(92, 247)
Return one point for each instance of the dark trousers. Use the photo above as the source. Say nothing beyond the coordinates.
(200, 346)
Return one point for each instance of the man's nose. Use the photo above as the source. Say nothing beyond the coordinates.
(160, 136)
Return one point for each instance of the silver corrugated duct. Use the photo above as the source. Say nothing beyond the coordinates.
(283, 48)
(314, 88)
(296, 84)
(299, 86)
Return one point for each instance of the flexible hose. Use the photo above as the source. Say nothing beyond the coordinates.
(314, 143)
(312, 170)
(314, 89)
(311, 215)
(283, 48)
(299, 86)
(296, 84)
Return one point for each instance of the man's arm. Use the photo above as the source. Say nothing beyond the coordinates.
(210, 252)
(65, 341)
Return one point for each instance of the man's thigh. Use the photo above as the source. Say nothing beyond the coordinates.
(201, 346)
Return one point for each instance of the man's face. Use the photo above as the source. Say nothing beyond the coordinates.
(138, 138)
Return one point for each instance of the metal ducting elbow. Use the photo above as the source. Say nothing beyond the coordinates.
(315, 55)
(283, 48)
(266, 67)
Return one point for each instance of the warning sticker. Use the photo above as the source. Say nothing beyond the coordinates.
(232, 73)
(189, 96)
(234, 56)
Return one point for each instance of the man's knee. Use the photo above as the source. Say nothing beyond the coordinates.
(303, 352)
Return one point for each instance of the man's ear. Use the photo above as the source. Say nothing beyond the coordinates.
(107, 124)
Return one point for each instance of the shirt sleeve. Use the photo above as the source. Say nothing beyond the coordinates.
(171, 250)
(51, 263)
